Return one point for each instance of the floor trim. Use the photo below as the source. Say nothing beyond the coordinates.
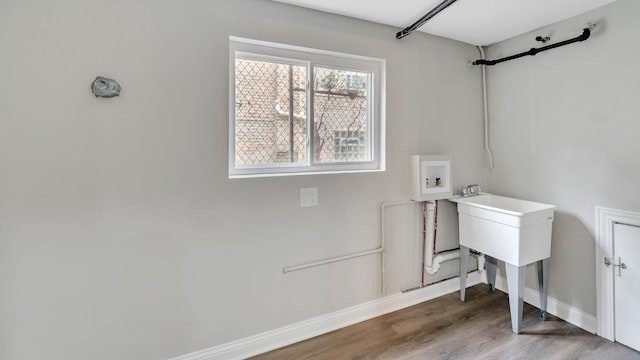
(287, 335)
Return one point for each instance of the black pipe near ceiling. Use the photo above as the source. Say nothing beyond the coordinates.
(586, 33)
(433, 12)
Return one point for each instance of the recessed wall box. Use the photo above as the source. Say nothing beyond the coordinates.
(431, 177)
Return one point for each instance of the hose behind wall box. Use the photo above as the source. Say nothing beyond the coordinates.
(487, 149)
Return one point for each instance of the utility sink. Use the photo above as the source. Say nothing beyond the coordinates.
(512, 230)
(515, 231)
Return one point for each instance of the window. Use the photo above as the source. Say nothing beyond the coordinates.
(298, 111)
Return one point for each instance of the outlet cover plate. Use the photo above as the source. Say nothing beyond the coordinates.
(308, 197)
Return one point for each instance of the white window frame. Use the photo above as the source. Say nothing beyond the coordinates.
(310, 58)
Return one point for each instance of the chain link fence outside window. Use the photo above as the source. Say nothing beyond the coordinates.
(340, 115)
(270, 117)
(271, 120)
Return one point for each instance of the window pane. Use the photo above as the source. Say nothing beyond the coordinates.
(340, 115)
(270, 113)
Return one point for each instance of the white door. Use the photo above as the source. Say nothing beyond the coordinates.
(626, 245)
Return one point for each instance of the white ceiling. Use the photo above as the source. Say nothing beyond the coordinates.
(477, 22)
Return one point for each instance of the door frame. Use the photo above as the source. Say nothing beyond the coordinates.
(606, 218)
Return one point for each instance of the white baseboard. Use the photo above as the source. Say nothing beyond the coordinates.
(555, 307)
(287, 335)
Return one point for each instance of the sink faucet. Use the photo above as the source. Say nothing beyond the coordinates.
(471, 190)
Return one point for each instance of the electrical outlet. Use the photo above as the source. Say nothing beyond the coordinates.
(308, 197)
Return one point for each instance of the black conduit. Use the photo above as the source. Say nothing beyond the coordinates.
(586, 33)
(409, 29)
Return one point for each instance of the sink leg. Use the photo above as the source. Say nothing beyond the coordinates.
(543, 285)
(490, 264)
(464, 266)
(515, 281)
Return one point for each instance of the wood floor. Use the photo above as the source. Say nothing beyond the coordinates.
(446, 328)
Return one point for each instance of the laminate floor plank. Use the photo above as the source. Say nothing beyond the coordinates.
(448, 329)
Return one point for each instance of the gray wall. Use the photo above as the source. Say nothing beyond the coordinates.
(564, 130)
(121, 236)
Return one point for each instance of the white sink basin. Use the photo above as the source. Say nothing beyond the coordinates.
(515, 231)
(512, 230)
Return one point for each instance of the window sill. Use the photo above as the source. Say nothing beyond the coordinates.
(316, 172)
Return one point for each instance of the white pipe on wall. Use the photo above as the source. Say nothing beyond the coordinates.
(439, 259)
(287, 269)
(378, 250)
(429, 218)
(432, 264)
